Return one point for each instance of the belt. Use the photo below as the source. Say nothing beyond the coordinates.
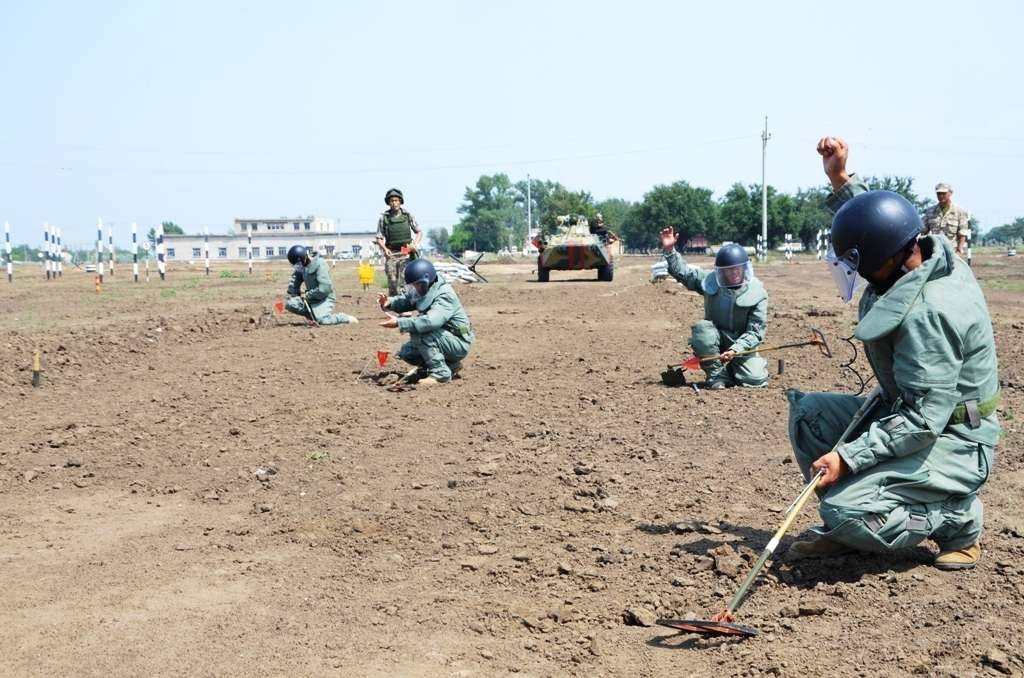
(971, 412)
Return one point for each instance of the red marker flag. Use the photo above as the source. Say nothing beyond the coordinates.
(279, 307)
(382, 357)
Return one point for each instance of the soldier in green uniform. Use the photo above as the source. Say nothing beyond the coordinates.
(313, 274)
(440, 336)
(914, 468)
(735, 314)
(397, 228)
(945, 218)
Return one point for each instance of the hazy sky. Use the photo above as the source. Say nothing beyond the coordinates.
(200, 112)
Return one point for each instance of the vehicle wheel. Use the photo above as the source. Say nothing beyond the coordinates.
(543, 274)
(605, 273)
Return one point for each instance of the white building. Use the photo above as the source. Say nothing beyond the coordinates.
(271, 238)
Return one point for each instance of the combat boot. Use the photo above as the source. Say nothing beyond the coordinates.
(959, 559)
(817, 548)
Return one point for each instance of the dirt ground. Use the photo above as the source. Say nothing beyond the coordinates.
(200, 487)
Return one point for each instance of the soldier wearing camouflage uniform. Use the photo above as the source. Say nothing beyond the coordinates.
(397, 228)
(735, 314)
(914, 468)
(311, 272)
(440, 336)
(948, 219)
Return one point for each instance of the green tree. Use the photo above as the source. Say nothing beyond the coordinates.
(1007, 234)
(689, 209)
(439, 238)
(617, 213)
(562, 201)
(902, 185)
(490, 215)
(169, 227)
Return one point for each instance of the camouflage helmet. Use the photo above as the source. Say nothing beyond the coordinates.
(394, 193)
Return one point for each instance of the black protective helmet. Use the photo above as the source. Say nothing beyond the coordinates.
(297, 254)
(732, 254)
(873, 227)
(420, 270)
(394, 192)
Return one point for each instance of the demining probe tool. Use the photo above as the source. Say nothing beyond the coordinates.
(816, 339)
(312, 318)
(724, 622)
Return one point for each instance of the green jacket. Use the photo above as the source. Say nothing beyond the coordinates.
(930, 344)
(439, 309)
(316, 276)
(741, 315)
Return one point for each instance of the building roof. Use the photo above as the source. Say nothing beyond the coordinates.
(274, 234)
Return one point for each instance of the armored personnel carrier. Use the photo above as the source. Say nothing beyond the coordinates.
(573, 247)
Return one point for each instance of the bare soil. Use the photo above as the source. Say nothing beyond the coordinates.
(202, 487)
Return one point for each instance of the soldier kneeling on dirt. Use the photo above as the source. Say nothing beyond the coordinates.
(735, 314)
(915, 469)
(440, 336)
(317, 302)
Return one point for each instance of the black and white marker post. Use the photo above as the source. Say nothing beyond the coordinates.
(135, 253)
(99, 248)
(206, 243)
(7, 247)
(110, 249)
(248, 231)
(161, 264)
(46, 249)
(60, 255)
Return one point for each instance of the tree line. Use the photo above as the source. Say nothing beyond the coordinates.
(493, 213)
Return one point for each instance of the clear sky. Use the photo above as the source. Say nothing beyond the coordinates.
(200, 112)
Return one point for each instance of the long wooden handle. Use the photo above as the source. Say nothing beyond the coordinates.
(773, 543)
(708, 358)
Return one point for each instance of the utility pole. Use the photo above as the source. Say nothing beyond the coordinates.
(765, 136)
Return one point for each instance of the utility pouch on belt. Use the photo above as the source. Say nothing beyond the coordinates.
(971, 412)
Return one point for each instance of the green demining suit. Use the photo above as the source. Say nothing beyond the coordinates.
(319, 294)
(734, 319)
(440, 336)
(923, 455)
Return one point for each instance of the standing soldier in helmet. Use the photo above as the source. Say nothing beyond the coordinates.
(397, 228)
(735, 314)
(440, 336)
(913, 470)
(318, 297)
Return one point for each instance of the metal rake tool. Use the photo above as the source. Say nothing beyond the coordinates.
(816, 339)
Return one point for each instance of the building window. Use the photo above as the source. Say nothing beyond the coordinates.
(255, 251)
(307, 225)
(170, 252)
(241, 252)
(254, 227)
(197, 252)
(222, 252)
(295, 226)
(329, 249)
(282, 251)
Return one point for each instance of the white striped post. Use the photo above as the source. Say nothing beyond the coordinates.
(789, 247)
(206, 243)
(970, 232)
(46, 249)
(99, 248)
(110, 249)
(60, 255)
(161, 262)
(248, 231)
(7, 246)
(53, 252)
(135, 252)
